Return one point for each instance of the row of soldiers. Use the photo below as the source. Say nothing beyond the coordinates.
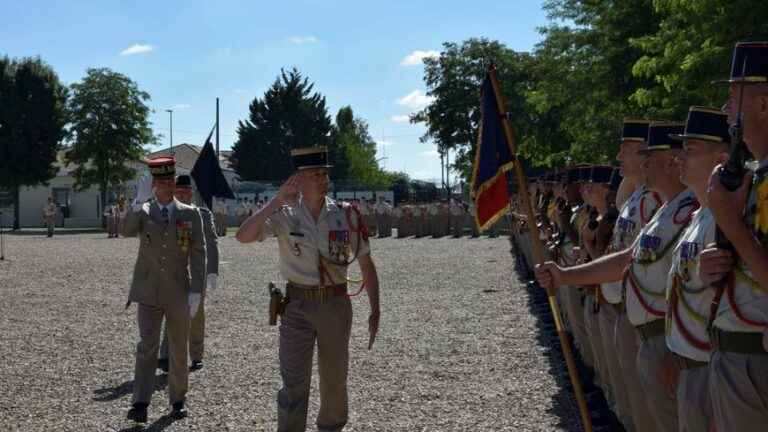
(661, 271)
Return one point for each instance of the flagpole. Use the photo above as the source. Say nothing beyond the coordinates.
(217, 127)
(538, 253)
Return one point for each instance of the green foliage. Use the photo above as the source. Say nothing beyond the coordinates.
(32, 123)
(454, 80)
(110, 127)
(599, 62)
(692, 47)
(290, 115)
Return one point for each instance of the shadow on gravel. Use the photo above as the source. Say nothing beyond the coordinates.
(564, 403)
(108, 394)
(158, 425)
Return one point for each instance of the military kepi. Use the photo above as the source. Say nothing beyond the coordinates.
(635, 130)
(184, 181)
(162, 167)
(310, 157)
(750, 63)
(659, 136)
(707, 124)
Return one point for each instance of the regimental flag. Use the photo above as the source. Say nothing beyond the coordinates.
(208, 177)
(494, 157)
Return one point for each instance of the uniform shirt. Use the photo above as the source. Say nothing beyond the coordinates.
(302, 240)
(652, 259)
(398, 212)
(748, 297)
(456, 210)
(688, 297)
(637, 210)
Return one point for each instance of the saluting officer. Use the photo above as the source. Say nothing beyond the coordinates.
(167, 282)
(738, 366)
(184, 194)
(318, 239)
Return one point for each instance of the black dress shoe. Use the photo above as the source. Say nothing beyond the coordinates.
(162, 364)
(196, 365)
(138, 413)
(178, 412)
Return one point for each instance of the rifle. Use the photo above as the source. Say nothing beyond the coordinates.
(731, 176)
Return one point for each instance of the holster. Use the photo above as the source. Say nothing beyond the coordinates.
(277, 303)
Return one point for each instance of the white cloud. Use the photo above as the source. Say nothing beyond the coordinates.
(430, 154)
(400, 118)
(303, 40)
(415, 100)
(181, 106)
(137, 49)
(417, 57)
(384, 143)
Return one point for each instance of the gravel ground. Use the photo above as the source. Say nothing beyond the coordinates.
(461, 347)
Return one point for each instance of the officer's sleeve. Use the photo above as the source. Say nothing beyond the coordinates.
(359, 237)
(211, 243)
(132, 222)
(197, 254)
(276, 224)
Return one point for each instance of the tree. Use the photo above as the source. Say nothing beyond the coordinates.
(110, 127)
(354, 141)
(288, 116)
(32, 124)
(454, 80)
(401, 186)
(691, 47)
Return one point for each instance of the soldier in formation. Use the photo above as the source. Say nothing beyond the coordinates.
(669, 265)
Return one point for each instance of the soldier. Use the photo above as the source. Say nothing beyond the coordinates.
(457, 218)
(738, 365)
(49, 216)
(398, 220)
(318, 238)
(167, 282)
(706, 143)
(646, 265)
(109, 215)
(184, 194)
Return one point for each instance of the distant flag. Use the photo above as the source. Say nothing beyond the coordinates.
(208, 177)
(494, 157)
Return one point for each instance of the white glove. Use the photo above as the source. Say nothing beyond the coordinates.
(143, 190)
(212, 280)
(194, 304)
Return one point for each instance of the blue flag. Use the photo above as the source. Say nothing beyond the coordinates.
(208, 177)
(494, 157)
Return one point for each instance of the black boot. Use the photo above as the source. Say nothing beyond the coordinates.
(178, 412)
(138, 413)
(162, 364)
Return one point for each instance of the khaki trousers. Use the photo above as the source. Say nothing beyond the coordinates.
(575, 312)
(627, 343)
(694, 406)
(595, 342)
(738, 386)
(150, 319)
(650, 357)
(303, 324)
(196, 335)
(608, 317)
(50, 226)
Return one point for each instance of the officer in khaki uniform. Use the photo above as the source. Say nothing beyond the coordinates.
(706, 145)
(167, 282)
(318, 238)
(49, 217)
(184, 194)
(738, 365)
(644, 268)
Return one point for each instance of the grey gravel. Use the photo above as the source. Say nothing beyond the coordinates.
(459, 347)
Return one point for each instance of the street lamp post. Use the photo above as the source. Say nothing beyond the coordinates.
(170, 111)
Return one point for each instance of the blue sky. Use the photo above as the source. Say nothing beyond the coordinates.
(185, 54)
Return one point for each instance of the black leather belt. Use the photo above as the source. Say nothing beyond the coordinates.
(650, 330)
(686, 363)
(315, 292)
(737, 342)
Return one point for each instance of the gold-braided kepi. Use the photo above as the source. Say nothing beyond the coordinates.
(310, 157)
